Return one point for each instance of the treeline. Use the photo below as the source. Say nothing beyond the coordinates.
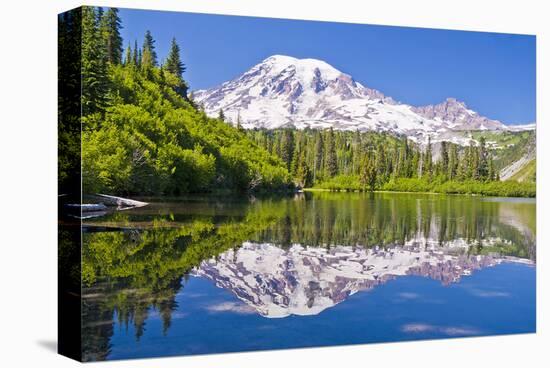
(370, 160)
(142, 135)
(102, 48)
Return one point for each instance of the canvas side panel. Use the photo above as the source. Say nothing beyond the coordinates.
(69, 184)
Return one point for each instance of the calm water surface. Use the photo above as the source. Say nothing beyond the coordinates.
(222, 274)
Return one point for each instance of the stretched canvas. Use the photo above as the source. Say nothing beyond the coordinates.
(233, 183)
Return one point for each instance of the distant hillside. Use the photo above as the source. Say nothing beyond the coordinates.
(515, 156)
(512, 150)
(527, 172)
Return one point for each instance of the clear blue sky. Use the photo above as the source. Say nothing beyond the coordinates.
(493, 73)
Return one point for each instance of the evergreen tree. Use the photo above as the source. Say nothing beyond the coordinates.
(162, 76)
(128, 56)
(428, 161)
(95, 81)
(110, 32)
(287, 147)
(464, 165)
(356, 151)
(368, 173)
(139, 58)
(381, 164)
(473, 161)
(221, 115)
(297, 152)
(331, 165)
(303, 173)
(135, 55)
(491, 171)
(444, 158)
(319, 154)
(395, 161)
(453, 162)
(147, 59)
(173, 63)
(415, 163)
(483, 160)
(175, 66)
(149, 55)
(381, 168)
(239, 122)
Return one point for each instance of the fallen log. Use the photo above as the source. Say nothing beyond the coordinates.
(118, 202)
(99, 205)
(88, 207)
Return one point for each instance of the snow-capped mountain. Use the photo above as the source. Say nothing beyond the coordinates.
(278, 282)
(458, 116)
(285, 91)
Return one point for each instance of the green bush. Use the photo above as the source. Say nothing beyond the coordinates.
(342, 183)
(407, 185)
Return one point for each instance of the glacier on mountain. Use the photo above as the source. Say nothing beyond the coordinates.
(283, 91)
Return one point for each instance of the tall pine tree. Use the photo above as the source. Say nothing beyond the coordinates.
(173, 63)
(367, 177)
(128, 58)
(319, 154)
(428, 160)
(483, 163)
(444, 159)
(95, 83)
(175, 66)
(331, 163)
(452, 170)
(149, 55)
(110, 31)
(135, 55)
(287, 147)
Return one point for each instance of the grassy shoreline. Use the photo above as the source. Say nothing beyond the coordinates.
(314, 189)
(413, 185)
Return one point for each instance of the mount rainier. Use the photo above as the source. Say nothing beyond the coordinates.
(283, 91)
(302, 280)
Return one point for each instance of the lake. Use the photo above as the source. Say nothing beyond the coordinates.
(214, 274)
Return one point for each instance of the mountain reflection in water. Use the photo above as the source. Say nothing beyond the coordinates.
(281, 257)
(306, 280)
